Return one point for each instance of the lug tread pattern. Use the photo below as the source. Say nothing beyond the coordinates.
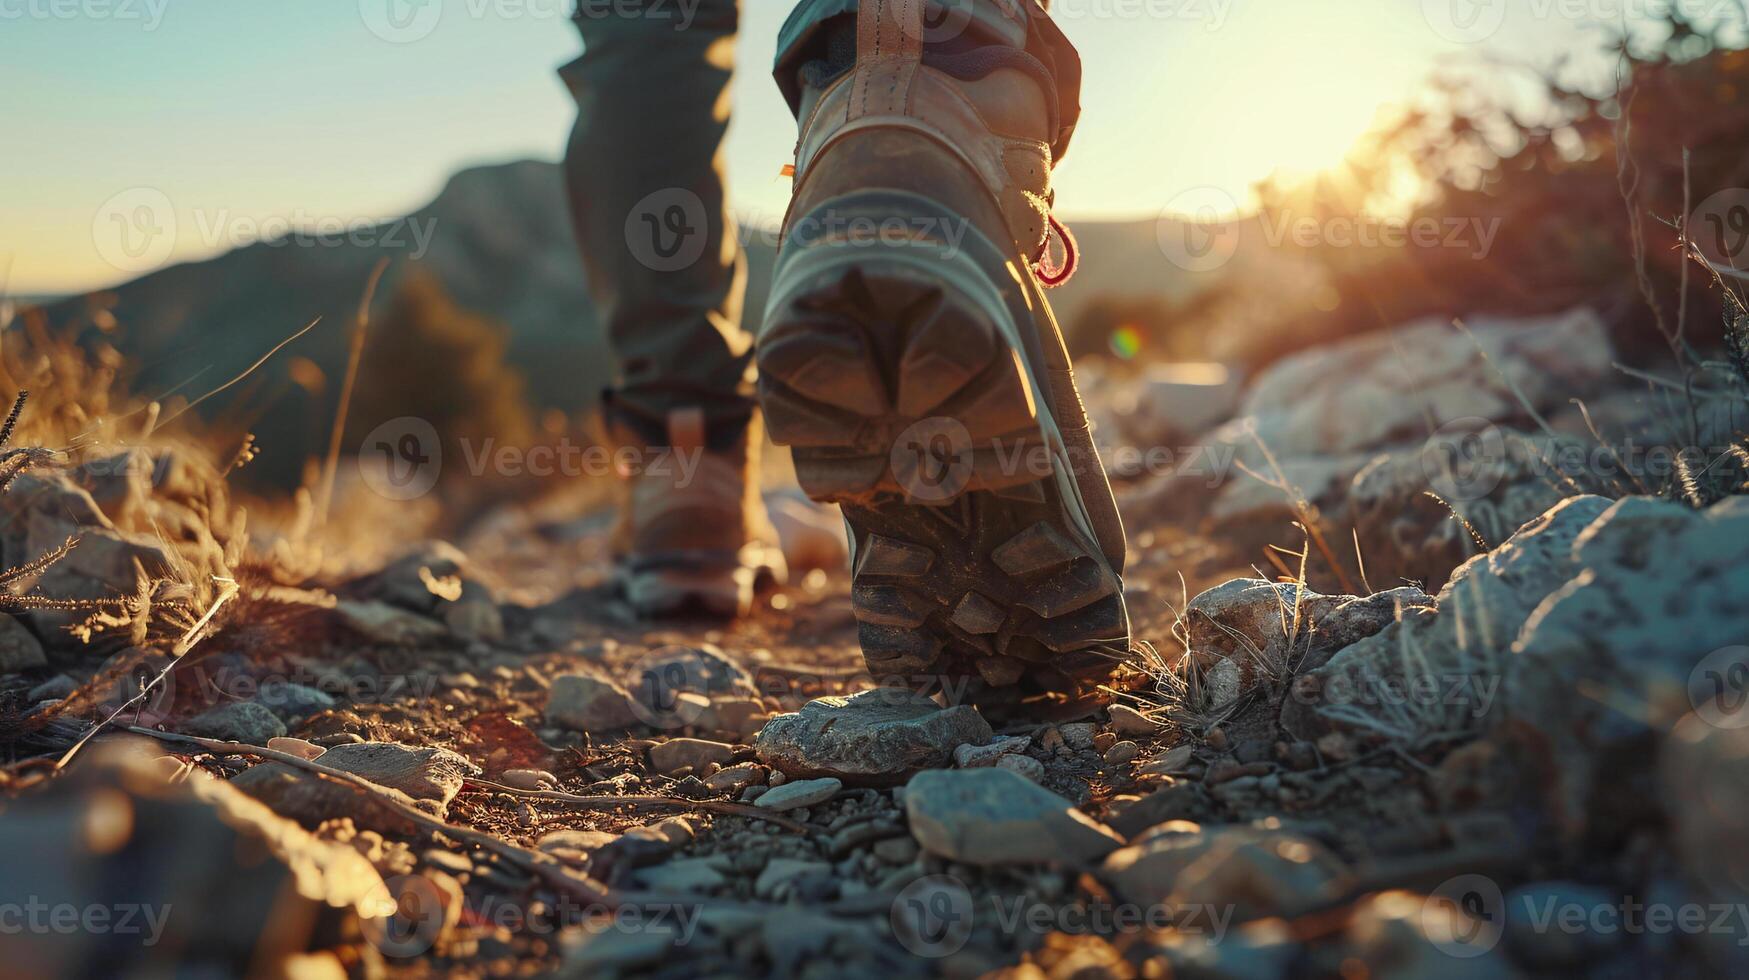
(993, 583)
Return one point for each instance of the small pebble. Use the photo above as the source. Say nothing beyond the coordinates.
(800, 793)
(1121, 753)
(1126, 720)
(529, 779)
(896, 850)
(1078, 735)
(295, 746)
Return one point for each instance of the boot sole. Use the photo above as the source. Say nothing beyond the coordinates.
(908, 393)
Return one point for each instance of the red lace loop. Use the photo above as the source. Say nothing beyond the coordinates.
(1052, 275)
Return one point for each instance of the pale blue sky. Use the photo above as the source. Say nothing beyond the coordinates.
(240, 110)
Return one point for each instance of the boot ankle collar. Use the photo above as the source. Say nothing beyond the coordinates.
(1019, 24)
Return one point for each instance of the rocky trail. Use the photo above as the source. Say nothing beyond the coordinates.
(1442, 675)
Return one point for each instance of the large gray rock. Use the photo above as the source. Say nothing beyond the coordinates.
(19, 647)
(1360, 431)
(874, 738)
(195, 867)
(1252, 871)
(1163, 405)
(1439, 669)
(1380, 389)
(238, 721)
(423, 773)
(1246, 631)
(1651, 627)
(991, 816)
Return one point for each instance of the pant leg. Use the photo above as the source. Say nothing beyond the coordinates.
(644, 176)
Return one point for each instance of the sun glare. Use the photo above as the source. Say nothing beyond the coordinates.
(1295, 97)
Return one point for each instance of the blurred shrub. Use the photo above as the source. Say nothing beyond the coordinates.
(428, 358)
(1583, 193)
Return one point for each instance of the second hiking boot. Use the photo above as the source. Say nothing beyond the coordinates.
(908, 356)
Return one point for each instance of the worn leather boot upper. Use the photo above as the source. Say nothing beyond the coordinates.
(989, 86)
(693, 534)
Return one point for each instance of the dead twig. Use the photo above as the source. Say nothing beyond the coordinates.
(354, 356)
(602, 802)
(545, 867)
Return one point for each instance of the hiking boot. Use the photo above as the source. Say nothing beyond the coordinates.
(693, 536)
(908, 356)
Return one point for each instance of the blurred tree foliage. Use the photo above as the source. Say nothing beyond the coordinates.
(429, 358)
(1584, 193)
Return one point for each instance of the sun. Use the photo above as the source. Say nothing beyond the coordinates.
(1287, 92)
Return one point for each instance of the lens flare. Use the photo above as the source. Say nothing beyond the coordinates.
(1126, 342)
